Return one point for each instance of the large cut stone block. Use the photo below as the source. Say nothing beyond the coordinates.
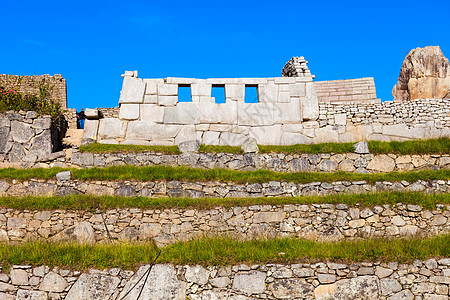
(139, 130)
(210, 138)
(293, 138)
(152, 86)
(162, 284)
(152, 113)
(255, 114)
(91, 129)
(267, 92)
(310, 103)
(93, 286)
(187, 133)
(168, 89)
(91, 113)
(297, 90)
(168, 100)
(232, 139)
(111, 128)
(42, 144)
(201, 89)
(235, 92)
(224, 113)
(129, 111)
(133, 90)
(21, 132)
(183, 113)
(266, 135)
(287, 113)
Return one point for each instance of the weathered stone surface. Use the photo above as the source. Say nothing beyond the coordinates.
(267, 217)
(53, 282)
(4, 132)
(133, 90)
(162, 284)
(300, 165)
(93, 286)
(389, 286)
(65, 175)
(19, 277)
(403, 295)
(361, 147)
(129, 111)
(364, 287)
(291, 289)
(91, 113)
(252, 282)
(250, 146)
(21, 132)
(189, 146)
(425, 74)
(42, 123)
(81, 232)
(110, 128)
(197, 274)
(381, 163)
(91, 129)
(30, 295)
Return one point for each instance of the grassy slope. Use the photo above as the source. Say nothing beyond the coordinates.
(222, 251)
(432, 146)
(85, 202)
(150, 173)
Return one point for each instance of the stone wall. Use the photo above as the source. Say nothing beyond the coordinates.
(131, 188)
(361, 90)
(348, 162)
(427, 280)
(150, 112)
(30, 85)
(321, 222)
(26, 137)
(385, 121)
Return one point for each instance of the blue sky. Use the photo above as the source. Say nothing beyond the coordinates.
(91, 43)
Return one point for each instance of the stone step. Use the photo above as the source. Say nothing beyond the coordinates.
(73, 137)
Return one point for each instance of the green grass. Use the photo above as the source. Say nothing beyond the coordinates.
(222, 251)
(151, 173)
(87, 202)
(431, 146)
(106, 148)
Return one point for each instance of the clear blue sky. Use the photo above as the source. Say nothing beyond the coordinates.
(91, 43)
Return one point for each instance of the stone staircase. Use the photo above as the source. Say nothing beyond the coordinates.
(73, 137)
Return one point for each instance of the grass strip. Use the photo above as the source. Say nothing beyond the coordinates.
(151, 173)
(106, 148)
(222, 251)
(431, 146)
(90, 203)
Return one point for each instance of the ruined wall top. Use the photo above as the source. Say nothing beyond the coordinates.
(29, 85)
(296, 67)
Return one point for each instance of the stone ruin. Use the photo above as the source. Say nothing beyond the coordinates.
(291, 109)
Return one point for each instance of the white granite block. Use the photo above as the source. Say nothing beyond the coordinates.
(266, 135)
(184, 113)
(235, 92)
(167, 89)
(129, 111)
(152, 113)
(255, 113)
(167, 100)
(133, 90)
(111, 128)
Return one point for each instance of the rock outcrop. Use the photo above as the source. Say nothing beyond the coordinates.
(425, 74)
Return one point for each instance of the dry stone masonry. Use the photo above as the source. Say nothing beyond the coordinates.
(26, 137)
(289, 110)
(361, 90)
(29, 85)
(427, 280)
(348, 162)
(320, 222)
